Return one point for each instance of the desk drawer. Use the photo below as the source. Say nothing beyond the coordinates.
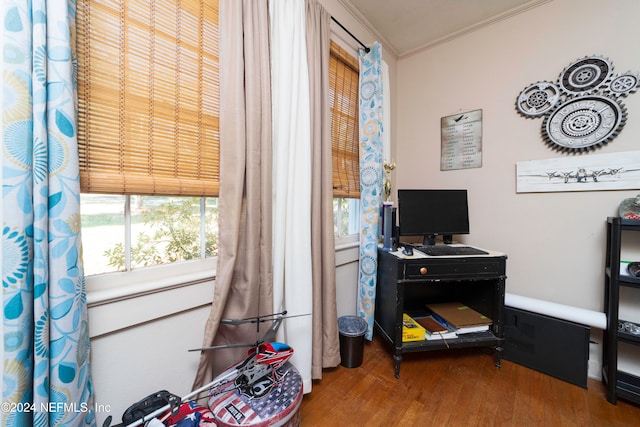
(452, 268)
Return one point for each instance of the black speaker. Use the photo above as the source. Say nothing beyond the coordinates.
(387, 227)
(394, 229)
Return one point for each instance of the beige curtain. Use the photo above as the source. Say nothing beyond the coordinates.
(243, 285)
(325, 346)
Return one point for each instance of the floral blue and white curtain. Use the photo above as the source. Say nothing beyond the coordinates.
(371, 177)
(46, 378)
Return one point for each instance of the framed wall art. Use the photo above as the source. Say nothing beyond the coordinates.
(461, 141)
(583, 109)
(614, 171)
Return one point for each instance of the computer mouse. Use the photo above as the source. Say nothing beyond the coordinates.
(407, 250)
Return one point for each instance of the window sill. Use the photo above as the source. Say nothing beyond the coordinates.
(101, 289)
(113, 287)
(347, 250)
(347, 242)
(121, 300)
(147, 294)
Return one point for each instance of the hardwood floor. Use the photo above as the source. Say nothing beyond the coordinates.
(455, 388)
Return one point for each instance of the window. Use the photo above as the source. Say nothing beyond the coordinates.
(123, 233)
(343, 98)
(346, 216)
(149, 137)
(148, 131)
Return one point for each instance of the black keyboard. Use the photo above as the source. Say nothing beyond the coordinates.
(444, 250)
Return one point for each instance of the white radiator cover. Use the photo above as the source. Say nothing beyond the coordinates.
(591, 318)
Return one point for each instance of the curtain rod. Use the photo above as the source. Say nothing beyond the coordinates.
(366, 49)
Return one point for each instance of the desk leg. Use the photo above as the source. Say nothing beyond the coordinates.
(397, 358)
(498, 351)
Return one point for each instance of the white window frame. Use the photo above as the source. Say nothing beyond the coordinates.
(118, 285)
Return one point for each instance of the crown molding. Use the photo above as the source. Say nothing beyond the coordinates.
(477, 26)
(353, 11)
(459, 33)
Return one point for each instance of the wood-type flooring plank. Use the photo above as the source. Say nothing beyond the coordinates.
(460, 387)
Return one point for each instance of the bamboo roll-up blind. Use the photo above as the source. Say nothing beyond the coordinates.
(148, 90)
(343, 98)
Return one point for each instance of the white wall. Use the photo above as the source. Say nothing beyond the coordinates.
(554, 241)
(142, 359)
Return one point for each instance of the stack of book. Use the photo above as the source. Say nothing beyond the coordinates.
(435, 329)
(446, 321)
(461, 318)
(411, 330)
(424, 328)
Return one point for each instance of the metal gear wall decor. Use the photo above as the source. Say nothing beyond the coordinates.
(582, 109)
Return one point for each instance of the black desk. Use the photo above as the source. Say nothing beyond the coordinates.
(405, 285)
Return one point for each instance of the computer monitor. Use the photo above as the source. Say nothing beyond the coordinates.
(430, 213)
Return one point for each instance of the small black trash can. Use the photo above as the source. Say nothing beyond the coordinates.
(352, 330)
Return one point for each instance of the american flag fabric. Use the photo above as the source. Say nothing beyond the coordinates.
(191, 414)
(278, 407)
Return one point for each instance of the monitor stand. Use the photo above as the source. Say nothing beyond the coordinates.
(429, 240)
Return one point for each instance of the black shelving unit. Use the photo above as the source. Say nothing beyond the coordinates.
(619, 384)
